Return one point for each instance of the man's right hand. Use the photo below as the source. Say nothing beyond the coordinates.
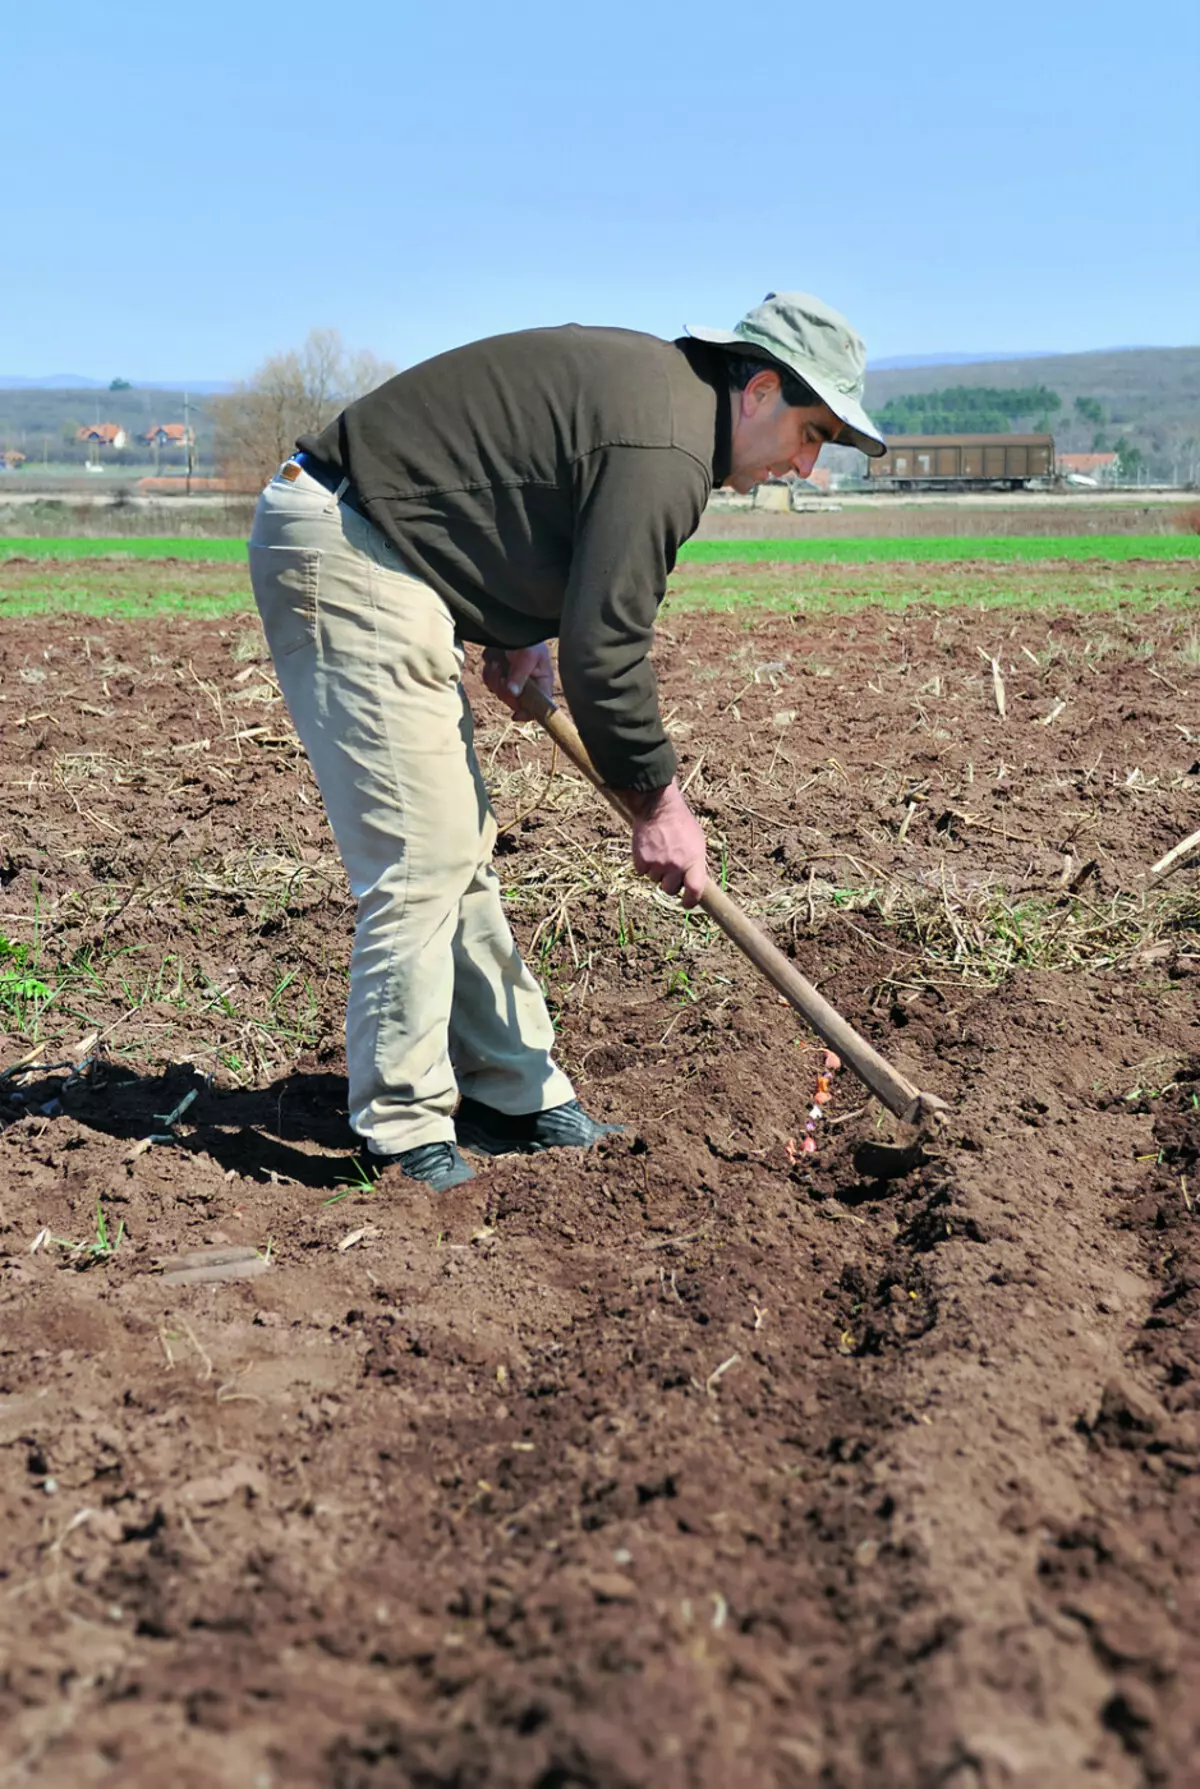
(668, 844)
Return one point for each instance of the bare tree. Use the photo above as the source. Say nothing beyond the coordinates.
(291, 394)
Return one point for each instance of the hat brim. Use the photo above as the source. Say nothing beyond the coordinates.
(857, 428)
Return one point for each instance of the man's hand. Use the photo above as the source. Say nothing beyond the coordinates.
(506, 670)
(668, 845)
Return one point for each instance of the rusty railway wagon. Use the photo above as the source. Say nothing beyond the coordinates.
(963, 463)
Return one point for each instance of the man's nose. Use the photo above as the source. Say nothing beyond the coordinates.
(806, 459)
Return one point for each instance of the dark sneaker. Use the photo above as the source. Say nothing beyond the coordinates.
(437, 1165)
(490, 1132)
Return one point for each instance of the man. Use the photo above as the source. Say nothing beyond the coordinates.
(527, 486)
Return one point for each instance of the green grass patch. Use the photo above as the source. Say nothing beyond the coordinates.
(123, 588)
(743, 576)
(1001, 549)
(127, 605)
(223, 552)
(799, 588)
(23, 993)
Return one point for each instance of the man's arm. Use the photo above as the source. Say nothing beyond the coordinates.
(668, 845)
(635, 506)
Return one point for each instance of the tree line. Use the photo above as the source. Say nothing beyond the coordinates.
(970, 410)
(989, 410)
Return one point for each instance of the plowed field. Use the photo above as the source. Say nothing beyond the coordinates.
(692, 1462)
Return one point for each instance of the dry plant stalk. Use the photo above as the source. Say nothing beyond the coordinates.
(1177, 855)
(998, 690)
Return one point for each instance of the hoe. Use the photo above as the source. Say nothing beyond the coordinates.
(921, 1111)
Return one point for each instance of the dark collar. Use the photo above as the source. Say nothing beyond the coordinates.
(709, 363)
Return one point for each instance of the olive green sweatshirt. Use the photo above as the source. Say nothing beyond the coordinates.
(542, 482)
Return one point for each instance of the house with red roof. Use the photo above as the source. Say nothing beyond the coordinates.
(1104, 468)
(168, 434)
(103, 434)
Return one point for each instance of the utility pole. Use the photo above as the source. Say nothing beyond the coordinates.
(187, 443)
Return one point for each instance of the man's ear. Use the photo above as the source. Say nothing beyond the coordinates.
(761, 389)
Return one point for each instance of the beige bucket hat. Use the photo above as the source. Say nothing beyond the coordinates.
(816, 342)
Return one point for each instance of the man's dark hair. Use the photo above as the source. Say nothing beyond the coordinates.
(742, 368)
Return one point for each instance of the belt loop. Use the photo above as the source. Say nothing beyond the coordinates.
(341, 490)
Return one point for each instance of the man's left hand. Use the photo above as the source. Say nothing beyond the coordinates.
(505, 671)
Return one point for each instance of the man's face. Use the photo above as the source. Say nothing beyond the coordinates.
(771, 438)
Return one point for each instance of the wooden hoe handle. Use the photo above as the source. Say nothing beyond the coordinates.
(885, 1082)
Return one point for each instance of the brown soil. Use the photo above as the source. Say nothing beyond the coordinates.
(678, 1464)
(835, 518)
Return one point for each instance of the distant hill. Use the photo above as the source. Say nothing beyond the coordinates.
(907, 360)
(52, 382)
(889, 362)
(77, 382)
(1149, 397)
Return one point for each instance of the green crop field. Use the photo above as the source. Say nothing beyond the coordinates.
(112, 587)
(805, 588)
(913, 551)
(1002, 549)
(770, 579)
(129, 547)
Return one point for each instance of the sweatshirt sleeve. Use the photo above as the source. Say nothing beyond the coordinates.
(634, 506)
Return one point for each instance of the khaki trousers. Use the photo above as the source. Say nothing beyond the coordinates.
(370, 667)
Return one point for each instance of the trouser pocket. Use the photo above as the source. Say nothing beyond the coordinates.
(284, 581)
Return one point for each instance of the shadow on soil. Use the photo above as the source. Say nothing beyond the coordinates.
(285, 1129)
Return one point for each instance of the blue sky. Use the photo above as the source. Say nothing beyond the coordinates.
(191, 188)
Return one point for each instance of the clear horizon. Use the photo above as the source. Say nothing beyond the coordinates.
(446, 175)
